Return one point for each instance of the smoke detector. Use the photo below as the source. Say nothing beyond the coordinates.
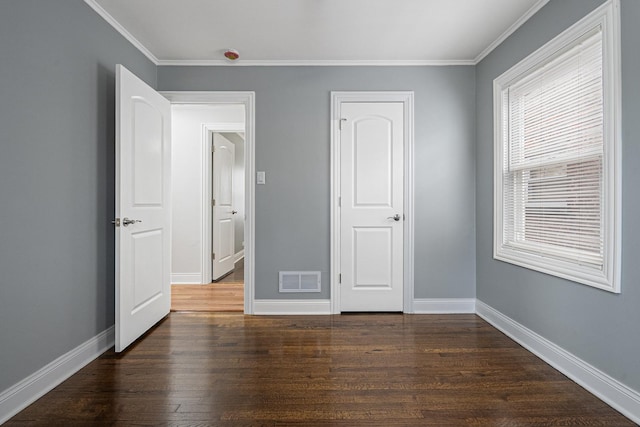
(232, 55)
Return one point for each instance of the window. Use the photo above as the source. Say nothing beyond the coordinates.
(556, 170)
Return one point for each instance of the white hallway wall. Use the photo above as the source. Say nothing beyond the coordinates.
(187, 184)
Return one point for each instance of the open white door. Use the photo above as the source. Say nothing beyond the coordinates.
(223, 229)
(143, 172)
(372, 205)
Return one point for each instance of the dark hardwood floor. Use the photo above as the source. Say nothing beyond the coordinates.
(221, 369)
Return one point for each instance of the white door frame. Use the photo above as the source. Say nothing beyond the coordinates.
(248, 100)
(337, 98)
(207, 191)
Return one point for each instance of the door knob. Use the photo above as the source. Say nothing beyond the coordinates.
(234, 212)
(396, 217)
(126, 221)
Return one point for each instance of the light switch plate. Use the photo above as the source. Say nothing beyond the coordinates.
(260, 178)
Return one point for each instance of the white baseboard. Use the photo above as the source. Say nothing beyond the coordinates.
(238, 256)
(27, 391)
(444, 305)
(291, 306)
(606, 388)
(186, 278)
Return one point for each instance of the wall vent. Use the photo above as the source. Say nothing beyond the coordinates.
(300, 281)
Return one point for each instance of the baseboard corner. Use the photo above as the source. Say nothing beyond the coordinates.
(611, 391)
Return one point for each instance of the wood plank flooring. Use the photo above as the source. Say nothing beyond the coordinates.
(210, 297)
(222, 369)
(224, 295)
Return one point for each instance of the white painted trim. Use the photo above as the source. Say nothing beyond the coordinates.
(407, 98)
(123, 31)
(19, 396)
(207, 192)
(238, 256)
(444, 305)
(292, 307)
(512, 29)
(606, 388)
(248, 100)
(317, 63)
(187, 279)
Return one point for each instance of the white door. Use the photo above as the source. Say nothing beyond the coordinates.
(143, 167)
(223, 230)
(371, 206)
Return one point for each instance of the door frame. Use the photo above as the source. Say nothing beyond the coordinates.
(407, 98)
(207, 191)
(248, 100)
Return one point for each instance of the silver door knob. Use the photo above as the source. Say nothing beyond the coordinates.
(396, 217)
(126, 221)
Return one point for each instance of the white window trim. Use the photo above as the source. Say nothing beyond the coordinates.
(608, 17)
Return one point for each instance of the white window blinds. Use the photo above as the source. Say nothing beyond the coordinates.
(553, 178)
(557, 155)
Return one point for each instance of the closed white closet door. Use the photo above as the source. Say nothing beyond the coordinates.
(371, 206)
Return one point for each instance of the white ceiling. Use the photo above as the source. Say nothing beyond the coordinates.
(317, 31)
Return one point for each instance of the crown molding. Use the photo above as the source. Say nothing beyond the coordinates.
(512, 29)
(313, 63)
(119, 28)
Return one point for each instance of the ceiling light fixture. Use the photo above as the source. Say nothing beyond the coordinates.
(232, 55)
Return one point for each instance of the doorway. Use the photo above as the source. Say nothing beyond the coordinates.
(211, 117)
(227, 203)
(222, 289)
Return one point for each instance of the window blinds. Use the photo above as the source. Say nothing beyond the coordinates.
(553, 162)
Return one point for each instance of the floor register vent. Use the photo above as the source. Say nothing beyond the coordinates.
(299, 281)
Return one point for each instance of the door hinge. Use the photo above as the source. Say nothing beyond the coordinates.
(340, 278)
(342, 121)
(213, 255)
(339, 201)
(213, 202)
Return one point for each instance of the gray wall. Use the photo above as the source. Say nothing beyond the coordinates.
(56, 178)
(597, 326)
(293, 144)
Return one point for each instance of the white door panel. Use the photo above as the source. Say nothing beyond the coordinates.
(372, 179)
(143, 160)
(223, 237)
(372, 247)
(372, 161)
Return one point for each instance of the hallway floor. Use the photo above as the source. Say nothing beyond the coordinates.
(225, 295)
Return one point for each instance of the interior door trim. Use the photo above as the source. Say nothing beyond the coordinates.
(248, 100)
(407, 98)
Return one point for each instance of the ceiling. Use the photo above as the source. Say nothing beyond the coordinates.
(322, 32)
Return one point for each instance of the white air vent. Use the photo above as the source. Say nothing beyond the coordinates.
(300, 281)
